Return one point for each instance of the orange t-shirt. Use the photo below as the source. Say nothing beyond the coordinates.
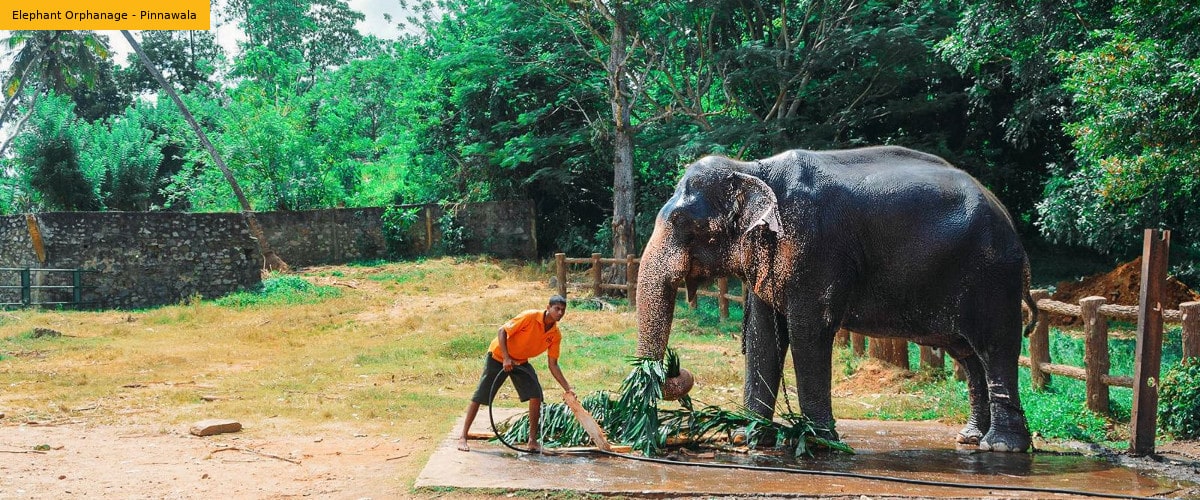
(527, 337)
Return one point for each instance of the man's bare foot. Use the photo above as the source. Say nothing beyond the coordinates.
(535, 448)
(462, 445)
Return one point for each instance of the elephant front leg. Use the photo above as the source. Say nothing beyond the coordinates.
(812, 357)
(764, 337)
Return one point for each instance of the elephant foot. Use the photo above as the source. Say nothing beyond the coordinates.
(762, 440)
(1013, 442)
(969, 435)
(827, 433)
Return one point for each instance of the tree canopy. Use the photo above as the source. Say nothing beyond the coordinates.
(1083, 117)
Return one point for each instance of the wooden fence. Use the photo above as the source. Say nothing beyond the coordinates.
(1095, 313)
(598, 286)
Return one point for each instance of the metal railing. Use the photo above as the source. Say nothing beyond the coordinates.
(28, 297)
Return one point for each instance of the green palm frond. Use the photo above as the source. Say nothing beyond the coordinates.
(634, 419)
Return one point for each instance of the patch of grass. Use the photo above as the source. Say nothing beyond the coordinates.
(926, 398)
(468, 346)
(705, 319)
(280, 290)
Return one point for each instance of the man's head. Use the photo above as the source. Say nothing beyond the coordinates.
(555, 309)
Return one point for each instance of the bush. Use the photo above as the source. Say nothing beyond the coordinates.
(1179, 400)
(396, 223)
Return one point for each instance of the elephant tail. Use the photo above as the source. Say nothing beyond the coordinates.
(1033, 307)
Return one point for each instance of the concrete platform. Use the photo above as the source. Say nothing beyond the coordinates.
(923, 451)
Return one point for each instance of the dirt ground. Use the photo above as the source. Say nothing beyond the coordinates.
(267, 461)
(76, 460)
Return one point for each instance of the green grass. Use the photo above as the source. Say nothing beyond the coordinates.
(280, 290)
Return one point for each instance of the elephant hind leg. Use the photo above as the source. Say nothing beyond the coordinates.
(1009, 430)
(980, 420)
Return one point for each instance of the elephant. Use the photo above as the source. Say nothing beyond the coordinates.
(885, 241)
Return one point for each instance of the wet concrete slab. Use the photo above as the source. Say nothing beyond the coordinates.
(920, 451)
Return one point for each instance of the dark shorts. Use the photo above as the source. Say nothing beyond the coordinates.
(523, 377)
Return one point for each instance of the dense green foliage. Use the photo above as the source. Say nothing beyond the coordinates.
(1179, 400)
(1081, 116)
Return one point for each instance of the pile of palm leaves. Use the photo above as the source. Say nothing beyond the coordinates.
(634, 419)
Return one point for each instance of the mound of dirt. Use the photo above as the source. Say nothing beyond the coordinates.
(1120, 286)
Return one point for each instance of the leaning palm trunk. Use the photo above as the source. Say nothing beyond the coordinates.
(271, 261)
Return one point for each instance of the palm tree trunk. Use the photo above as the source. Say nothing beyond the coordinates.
(271, 261)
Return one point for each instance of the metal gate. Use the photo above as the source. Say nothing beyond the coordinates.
(53, 287)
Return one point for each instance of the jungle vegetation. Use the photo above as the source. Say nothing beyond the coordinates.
(1083, 116)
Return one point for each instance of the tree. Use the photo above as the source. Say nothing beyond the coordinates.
(189, 58)
(271, 260)
(314, 34)
(48, 61)
(1136, 91)
(49, 158)
(1009, 50)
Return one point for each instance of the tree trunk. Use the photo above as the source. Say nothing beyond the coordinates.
(271, 261)
(624, 237)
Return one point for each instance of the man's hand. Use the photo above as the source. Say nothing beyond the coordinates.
(508, 363)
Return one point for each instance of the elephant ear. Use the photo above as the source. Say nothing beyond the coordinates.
(756, 205)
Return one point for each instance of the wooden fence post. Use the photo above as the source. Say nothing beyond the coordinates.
(631, 276)
(858, 342)
(1095, 352)
(899, 354)
(722, 300)
(560, 269)
(933, 359)
(842, 338)
(1191, 329)
(1039, 346)
(595, 275)
(891, 351)
(1148, 356)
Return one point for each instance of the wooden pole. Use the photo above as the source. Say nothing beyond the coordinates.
(1148, 357)
(595, 275)
(560, 269)
(841, 338)
(631, 281)
(1191, 329)
(932, 359)
(428, 229)
(899, 353)
(1095, 352)
(858, 342)
(1039, 346)
(722, 300)
(875, 348)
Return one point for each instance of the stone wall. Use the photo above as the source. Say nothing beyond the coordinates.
(135, 259)
(333, 236)
(503, 229)
(145, 259)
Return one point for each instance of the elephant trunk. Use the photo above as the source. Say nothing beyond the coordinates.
(663, 268)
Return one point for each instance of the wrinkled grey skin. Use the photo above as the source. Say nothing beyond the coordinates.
(885, 241)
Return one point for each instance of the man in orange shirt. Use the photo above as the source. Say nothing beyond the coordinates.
(526, 336)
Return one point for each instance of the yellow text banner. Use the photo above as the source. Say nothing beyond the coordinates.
(105, 15)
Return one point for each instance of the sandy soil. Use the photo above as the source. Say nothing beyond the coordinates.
(77, 460)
